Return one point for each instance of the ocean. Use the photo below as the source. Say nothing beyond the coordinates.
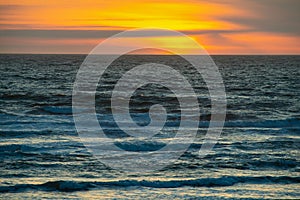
(256, 157)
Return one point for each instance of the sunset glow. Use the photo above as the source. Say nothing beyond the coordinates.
(222, 27)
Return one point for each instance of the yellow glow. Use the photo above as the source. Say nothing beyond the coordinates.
(126, 13)
(203, 20)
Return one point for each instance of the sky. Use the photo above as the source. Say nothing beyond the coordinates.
(220, 26)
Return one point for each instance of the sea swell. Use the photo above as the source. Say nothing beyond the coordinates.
(71, 186)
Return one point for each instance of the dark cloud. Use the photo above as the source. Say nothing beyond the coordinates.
(95, 34)
(277, 16)
(220, 31)
(4, 8)
(58, 34)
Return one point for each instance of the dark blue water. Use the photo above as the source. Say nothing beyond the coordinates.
(256, 157)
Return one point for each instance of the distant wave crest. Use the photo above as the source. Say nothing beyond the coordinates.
(69, 186)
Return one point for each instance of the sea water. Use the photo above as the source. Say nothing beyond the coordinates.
(256, 157)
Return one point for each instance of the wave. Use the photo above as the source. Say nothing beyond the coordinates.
(66, 110)
(23, 96)
(282, 123)
(107, 120)
(16, 148)
(70, 186)
(41, 111)
(293, 122)
(140, 145)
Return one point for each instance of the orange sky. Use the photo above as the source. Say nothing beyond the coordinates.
(221, 26)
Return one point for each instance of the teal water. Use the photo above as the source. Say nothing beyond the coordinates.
(256, 157)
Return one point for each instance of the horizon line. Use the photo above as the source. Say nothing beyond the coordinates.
(227, 54)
